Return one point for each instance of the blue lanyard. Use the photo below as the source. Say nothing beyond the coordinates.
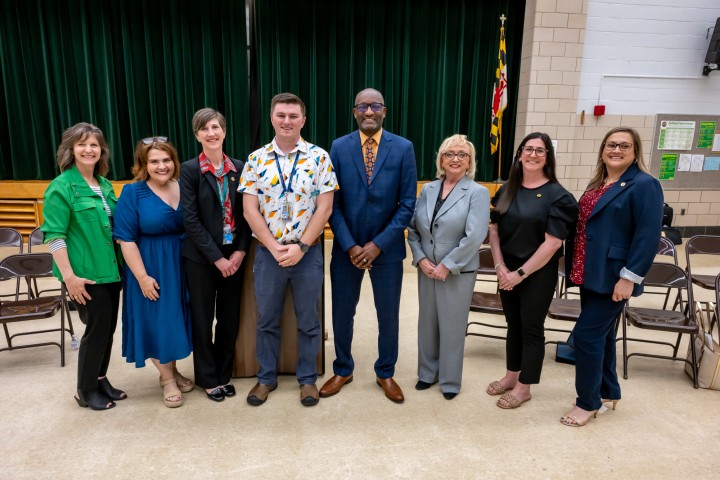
(292, 173)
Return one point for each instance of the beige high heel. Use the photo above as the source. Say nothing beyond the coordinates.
(572, 421)
(168, 400)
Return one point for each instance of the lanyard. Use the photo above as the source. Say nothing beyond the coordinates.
(223, 190)
(292, 173)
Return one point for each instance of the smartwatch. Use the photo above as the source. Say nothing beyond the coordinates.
(304, 247)
(521, 272)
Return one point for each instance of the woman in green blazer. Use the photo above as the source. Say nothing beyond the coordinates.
(78, 226)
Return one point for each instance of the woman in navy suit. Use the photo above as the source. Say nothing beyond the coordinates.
(615, 241)
(449, 225)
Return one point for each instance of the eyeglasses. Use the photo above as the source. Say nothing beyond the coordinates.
(624, 147)
(151, 140)
(539, 151)
(451, 155)
(375, 107)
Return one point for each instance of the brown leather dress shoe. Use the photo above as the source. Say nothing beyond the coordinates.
(333, 386)
(259, 394)
(392, 389)
(309, 395)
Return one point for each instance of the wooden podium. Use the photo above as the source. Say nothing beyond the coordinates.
(245, 360)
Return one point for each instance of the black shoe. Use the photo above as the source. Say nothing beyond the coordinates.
(228, 390)
(449, 395)
(216, 395)
(93, 399)
(420, 385)
(109, 391)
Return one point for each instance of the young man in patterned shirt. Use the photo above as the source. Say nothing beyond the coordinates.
(287, 188)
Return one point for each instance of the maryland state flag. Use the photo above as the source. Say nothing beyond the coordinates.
(499, 95)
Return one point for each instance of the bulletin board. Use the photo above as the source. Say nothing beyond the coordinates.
(685, 152)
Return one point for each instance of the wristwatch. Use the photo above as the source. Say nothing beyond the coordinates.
(521, 272)
(304, 247)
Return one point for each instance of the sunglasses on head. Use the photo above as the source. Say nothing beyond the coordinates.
(151, 140)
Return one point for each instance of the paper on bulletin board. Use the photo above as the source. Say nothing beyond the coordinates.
(712, 163)
(696, 165)
(676, 134)
(706, 133)
(716, 144)
(668, 162)
(684, 162)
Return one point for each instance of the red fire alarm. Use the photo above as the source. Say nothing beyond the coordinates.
(599, 110)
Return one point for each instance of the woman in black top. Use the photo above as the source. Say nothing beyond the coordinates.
(533, 214)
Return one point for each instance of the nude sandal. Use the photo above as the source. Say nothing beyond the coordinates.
(173, 400)
(184, 384)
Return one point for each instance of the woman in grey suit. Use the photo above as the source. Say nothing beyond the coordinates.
(449, 225)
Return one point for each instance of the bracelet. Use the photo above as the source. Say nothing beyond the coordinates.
(499, 265)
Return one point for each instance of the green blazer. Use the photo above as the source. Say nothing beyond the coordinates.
(75, 213)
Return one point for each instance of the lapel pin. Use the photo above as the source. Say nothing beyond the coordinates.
(622, 184)
(539, 195)
(232, 179)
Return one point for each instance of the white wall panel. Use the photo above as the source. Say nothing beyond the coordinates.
(643, 57)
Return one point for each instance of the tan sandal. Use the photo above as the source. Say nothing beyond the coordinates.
(496, 388)
(571, 420)
(184, 384)
(173, 400)
(511, 401)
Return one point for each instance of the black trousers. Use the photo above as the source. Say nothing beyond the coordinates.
(525, 308)
(100, 318)
(211, 296)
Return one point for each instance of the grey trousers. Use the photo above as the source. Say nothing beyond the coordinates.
(444, 309)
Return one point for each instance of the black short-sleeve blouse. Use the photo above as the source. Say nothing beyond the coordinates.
(548, 208)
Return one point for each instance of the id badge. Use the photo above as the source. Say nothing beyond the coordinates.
(286, 211)
(227, 235)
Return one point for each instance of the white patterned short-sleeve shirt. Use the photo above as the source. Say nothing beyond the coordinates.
(313, 176)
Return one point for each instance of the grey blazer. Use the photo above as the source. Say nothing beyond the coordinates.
(459, 229)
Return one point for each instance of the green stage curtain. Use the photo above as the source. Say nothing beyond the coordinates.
(433, 61)
(138, 68)
(134, 68)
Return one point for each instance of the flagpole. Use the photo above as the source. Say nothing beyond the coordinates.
(499, 179)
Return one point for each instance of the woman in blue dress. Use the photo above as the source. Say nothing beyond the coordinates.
(149, 229)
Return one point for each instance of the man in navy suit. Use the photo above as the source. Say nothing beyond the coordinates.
(377, 175)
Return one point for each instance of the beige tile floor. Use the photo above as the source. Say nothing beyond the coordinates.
(663, 428)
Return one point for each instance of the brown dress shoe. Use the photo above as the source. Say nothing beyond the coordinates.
(392, 389)
(333, 386)
(309, 395)
(259, 394)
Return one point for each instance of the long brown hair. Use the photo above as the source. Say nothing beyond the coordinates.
(600, 172)
(515, 177)
(76, 133)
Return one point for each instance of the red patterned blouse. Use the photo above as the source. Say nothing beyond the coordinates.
(587, 203)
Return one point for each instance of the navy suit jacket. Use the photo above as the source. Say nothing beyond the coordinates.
(623, 230)
(378, 212)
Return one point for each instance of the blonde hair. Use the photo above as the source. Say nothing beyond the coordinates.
(455, 140)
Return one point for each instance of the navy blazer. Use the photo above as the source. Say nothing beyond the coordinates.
(623, 230)
(378, 212)
(203, 214)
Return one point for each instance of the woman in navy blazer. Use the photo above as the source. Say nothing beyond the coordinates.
(614, 246)
(449, 225)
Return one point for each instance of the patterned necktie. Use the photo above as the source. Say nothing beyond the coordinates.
(369, 159)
